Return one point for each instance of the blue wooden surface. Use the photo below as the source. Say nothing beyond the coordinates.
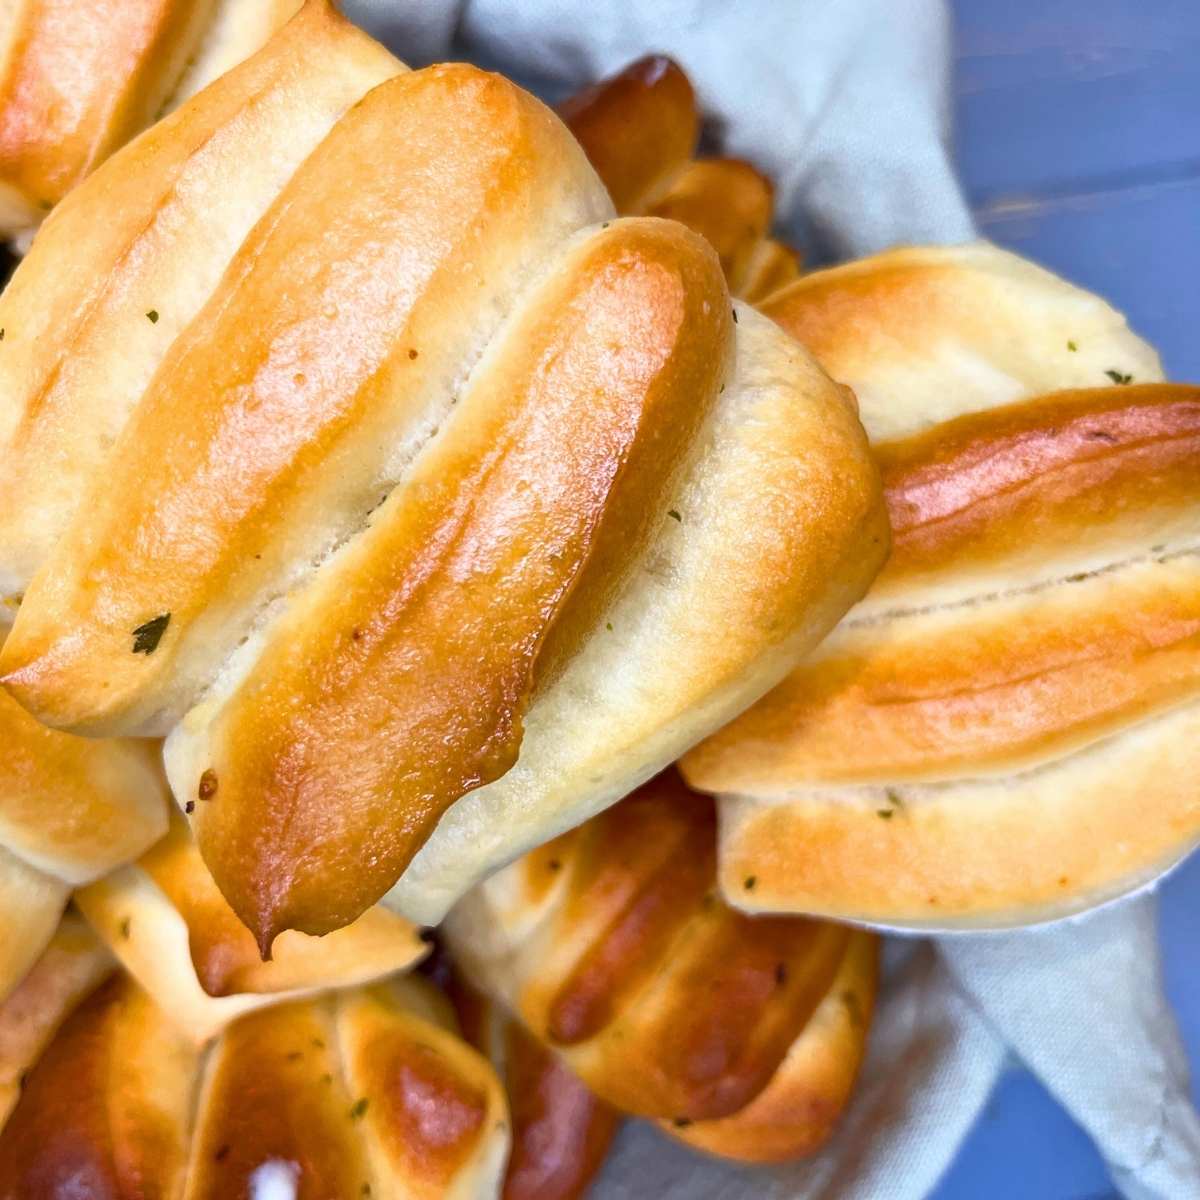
(1078, 137)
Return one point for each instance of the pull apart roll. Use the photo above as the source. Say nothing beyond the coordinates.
(71, 810)
(456, 511)
(1007, 729)
(78, 81)
(78, 343)
(368, 1092)
(743, 1036)
(168, 925)
(126, 263)
(561, 1130)
(639, 128)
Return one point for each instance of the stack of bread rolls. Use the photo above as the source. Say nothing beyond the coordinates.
(197, 1002)
(313, 485)
(1006, 729)
(432, 472)
(365, 1092)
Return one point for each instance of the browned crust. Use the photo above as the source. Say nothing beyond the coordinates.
(223, 951)
(356, 1094)
(225, 419)
(772, 266)
(420, 645)
(665, 1001)
(104, 1112)
(561, 1131)
(924, 334)
(798, 1110)
(84, 78)
(991, 851)
(1043, 471)
(70, 967)
(274, 1091)
(76, 807)
(729, 204)
(433, 1101)
(646, 862)
(638, 129)
(1016, 678)
(79, 348)
(1020, 682)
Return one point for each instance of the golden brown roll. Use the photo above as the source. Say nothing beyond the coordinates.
(639, 129)
(1008, 728)
(71, 810)
(407, 596)
(561, 1131)
(79, 80)
(168, 925)
(70, 965)
(743, 1035)
(122, 267)
(369, 1092)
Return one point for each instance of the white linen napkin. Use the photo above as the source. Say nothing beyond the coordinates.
(845, 103)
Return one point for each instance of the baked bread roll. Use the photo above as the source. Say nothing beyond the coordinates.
(70, 811)
(742, 1035)
(1008, 728)
(561, 1131)
(168, 925)
(639, 128)
(368, 1092)
(79, 80)
(71, 964)
(122, 267)
(407, 597)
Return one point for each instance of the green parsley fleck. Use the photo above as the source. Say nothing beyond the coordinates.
(749, 883)
(1072, 347)
(674, 515)
(1118, 377)
(895, 804)
(608, 626)
(152, 316)
(146, 637)
(358, 1108)
(126, 925)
